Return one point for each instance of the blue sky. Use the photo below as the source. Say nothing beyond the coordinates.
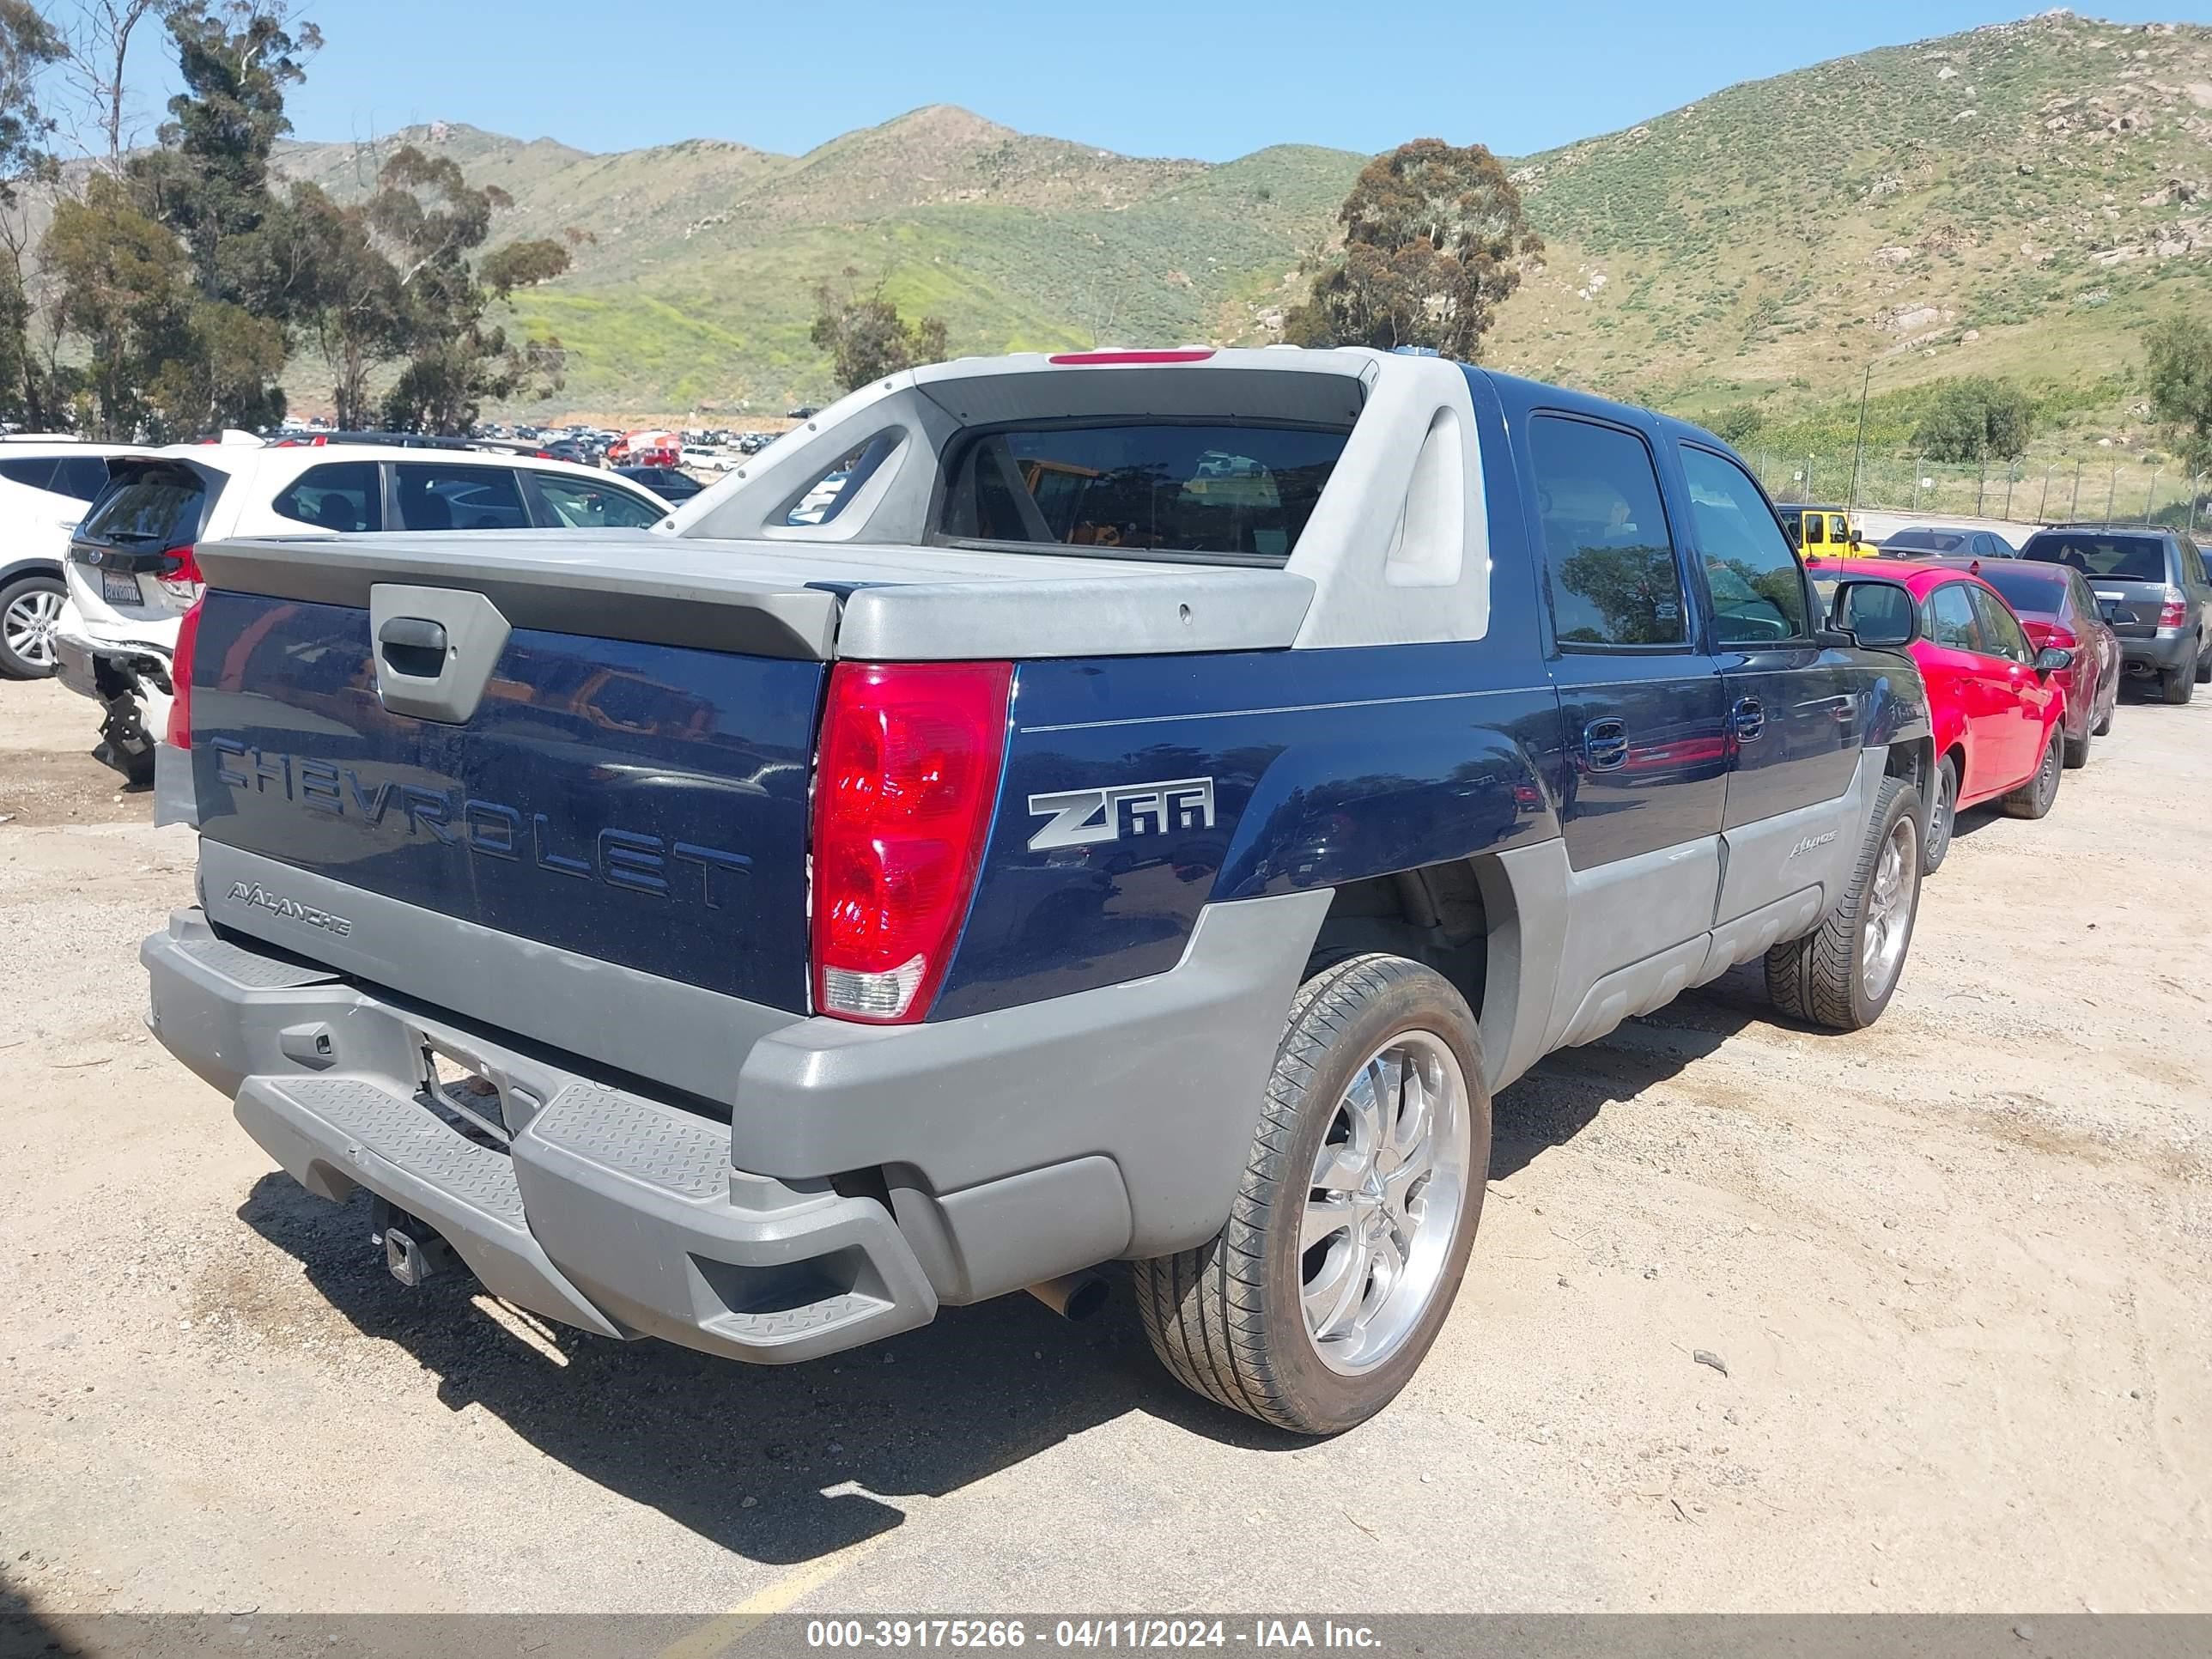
(1142, 76)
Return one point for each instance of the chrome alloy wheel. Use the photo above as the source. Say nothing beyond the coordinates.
(28, 623)
(1889, 909)
(1384, 1205)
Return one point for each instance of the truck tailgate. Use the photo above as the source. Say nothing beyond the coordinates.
(641, 803)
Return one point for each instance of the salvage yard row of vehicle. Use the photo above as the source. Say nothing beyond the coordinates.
(132, 566)
(1145, 810)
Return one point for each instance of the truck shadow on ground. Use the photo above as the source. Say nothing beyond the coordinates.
(821, 1450)
(1563, 1094)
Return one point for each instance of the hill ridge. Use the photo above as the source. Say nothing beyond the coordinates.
(2018, 198)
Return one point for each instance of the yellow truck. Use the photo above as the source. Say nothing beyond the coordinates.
(1825, 533)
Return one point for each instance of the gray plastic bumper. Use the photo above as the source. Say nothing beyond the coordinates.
(609, 1212)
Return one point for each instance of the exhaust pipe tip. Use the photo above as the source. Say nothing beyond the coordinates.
(1073, 1297)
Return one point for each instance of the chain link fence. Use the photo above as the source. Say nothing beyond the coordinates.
(2102, 489)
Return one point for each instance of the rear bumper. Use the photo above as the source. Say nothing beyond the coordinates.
(608, 1212)
(2168, 652)
(863, 1175)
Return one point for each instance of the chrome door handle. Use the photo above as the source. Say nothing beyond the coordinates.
(1605, 743)
(1748, 718)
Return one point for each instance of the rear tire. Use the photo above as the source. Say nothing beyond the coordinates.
(1942, 818)
(2034, 798)
(1316, 1301)
(1843, 973)
(2177, 685)
(29, 606)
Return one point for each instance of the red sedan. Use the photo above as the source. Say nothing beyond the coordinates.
(2056, 607)
(1993, 696)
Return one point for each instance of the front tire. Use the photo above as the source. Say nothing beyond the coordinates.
(1349, 1234)
(2034, 798)
(29, 608)
(2077, 749)
(2204, 666)
(1843, 973)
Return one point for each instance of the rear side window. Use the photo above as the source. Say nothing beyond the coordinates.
(1951, 622)
(345, 496)
(1238, 492)
(2115, 558)
(440, 495)
(2000, 627)
(33, 471)
(81, 478)
(159, 505)
(1608, 557)
(586, 504)
(1758, 585)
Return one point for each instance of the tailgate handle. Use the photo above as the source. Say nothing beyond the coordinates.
(413, 646)
(434, 649)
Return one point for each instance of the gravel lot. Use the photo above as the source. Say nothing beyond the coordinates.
(1956, 1267)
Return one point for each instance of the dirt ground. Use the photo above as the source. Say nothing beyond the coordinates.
(1956, 1268)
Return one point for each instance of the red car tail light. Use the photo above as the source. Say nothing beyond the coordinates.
(902, 800)
(181, 578)
(2172, 608)
(180, 733)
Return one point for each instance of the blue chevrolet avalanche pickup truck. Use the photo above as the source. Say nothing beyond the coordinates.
(1143, 807)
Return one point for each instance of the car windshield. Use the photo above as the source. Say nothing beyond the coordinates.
(2102, 557)
(1241, 490)
(2029, 592)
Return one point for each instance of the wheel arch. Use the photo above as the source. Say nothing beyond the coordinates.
(1478, 921)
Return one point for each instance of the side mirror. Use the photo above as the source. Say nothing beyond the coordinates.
(1878, 616)
(2052, 658)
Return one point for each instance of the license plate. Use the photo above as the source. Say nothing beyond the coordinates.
(118, 587)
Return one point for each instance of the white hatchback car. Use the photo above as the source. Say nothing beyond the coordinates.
(46, 484)
(132, 573)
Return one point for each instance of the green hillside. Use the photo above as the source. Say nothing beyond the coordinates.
(2018, 200)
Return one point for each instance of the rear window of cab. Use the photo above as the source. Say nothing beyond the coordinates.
(1238, 493)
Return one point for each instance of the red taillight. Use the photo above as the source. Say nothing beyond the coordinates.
(180, 577)
(2172, 608)
(903, 800)
(1185, 355)
(180, 733)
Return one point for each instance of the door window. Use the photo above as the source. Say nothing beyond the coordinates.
(2000, 628)
(446, 495)
(1951, 622)
(1815, 529)
(1758, 585)
(343, 496)
(1609, 559)
(587, 504)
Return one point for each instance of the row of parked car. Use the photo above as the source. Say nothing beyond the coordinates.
(100, 541)
(2023, 653)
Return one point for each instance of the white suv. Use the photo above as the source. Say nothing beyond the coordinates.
(132, 570)
(46, 484)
